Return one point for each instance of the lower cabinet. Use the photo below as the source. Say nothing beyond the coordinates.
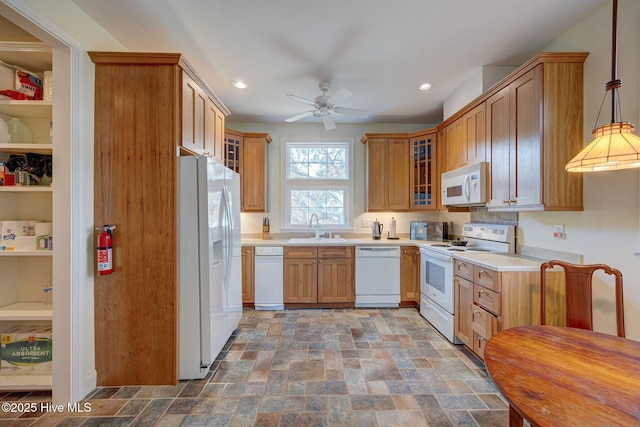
(319, 275)
(409, 276)
(488, 301)
(248, 287)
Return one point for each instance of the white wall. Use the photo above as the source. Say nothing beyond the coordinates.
(473, 86)
(251, 223)
(608, 230)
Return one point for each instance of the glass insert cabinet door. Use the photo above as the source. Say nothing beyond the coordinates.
(423, 172)
(232, 145)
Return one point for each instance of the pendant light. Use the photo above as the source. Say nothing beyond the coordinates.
(615, 146)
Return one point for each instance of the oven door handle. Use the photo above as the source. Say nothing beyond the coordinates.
(435, 256)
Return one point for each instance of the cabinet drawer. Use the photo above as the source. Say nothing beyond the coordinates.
(463, 269)
(487, 278)
(300, 252)
(479, 343)
(487, 299)
(335, 252)
(483, 322)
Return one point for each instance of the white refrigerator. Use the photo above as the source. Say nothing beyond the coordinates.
(210, 287)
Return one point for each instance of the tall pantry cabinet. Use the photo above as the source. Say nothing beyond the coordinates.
(141, 126)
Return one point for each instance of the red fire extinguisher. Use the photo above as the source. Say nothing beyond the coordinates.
(105, 250)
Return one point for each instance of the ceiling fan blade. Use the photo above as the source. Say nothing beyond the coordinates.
(340, 95)
(297, 98)
(352, 112)
(299, 116)
(328, 121)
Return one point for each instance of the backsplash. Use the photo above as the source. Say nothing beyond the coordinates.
(483, 215)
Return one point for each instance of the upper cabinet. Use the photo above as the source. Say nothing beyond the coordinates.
(423, 171)
(466, 139)
(202, 119)
(387, 164)
(527, 127)
(534, 127)
(246, 153)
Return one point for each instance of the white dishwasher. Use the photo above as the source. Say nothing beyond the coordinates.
(269, 278)
(377, 276)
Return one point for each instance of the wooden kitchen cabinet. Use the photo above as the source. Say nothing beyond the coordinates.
(141, 118)
(336, 279)
(441, 153)
(475, 136)
(534, 127)
(300, 274)
(409, 276)
(489, 301)
(202, 120)
(387, 176)
(465, 139)
(456, 150)
(233, 149)
(248, 280)
(422, 175)
(317, 276)
(463, 289)
(246, 153)
(253, 177)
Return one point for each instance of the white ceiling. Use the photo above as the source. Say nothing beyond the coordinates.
(380, 50)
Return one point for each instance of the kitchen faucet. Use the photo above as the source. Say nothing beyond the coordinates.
(317, 224)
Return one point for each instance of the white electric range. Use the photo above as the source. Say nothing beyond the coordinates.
(437, 303)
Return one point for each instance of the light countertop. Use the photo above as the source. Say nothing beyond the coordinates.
(500, 262)
(491, 261)
(334, 242)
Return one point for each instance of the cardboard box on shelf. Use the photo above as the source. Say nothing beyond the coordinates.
(6, 178)
(25, 243)
(13, 229)
(26, 350)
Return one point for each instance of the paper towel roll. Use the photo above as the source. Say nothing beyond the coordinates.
(392, 228)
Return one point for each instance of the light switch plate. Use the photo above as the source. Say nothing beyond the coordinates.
(365, 223)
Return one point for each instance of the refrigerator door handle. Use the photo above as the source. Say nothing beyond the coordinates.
(228, 235)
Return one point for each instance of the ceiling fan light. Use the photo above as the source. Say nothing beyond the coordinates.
(615, 147)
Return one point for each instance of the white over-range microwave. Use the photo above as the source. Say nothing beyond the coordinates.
(466, 186)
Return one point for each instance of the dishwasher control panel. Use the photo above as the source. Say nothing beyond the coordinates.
(377, 251)
(269, 251)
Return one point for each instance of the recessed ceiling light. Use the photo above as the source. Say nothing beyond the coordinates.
(425, 86)
(239, 84)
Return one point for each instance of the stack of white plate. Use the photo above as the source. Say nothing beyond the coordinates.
(4, 132)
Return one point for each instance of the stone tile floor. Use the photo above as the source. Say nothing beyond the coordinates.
(324, 367)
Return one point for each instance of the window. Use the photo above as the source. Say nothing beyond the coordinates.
(317, 181)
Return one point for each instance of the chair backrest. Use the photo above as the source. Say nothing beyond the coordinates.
(578, 279)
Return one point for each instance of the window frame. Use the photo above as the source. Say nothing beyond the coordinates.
(289, 184)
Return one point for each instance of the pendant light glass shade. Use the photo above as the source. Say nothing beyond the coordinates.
(614, 147)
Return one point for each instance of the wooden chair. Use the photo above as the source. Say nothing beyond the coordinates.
(578, 279)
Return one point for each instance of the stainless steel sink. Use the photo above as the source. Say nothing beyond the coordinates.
(321, 240)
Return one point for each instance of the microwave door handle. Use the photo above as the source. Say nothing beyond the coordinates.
(467, 187)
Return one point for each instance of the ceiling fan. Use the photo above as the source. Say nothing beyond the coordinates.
(325, 104)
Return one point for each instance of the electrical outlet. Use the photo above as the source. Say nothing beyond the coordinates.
(558, 231)
(365, 223)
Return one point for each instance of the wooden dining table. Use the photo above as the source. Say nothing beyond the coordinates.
(558, 376)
